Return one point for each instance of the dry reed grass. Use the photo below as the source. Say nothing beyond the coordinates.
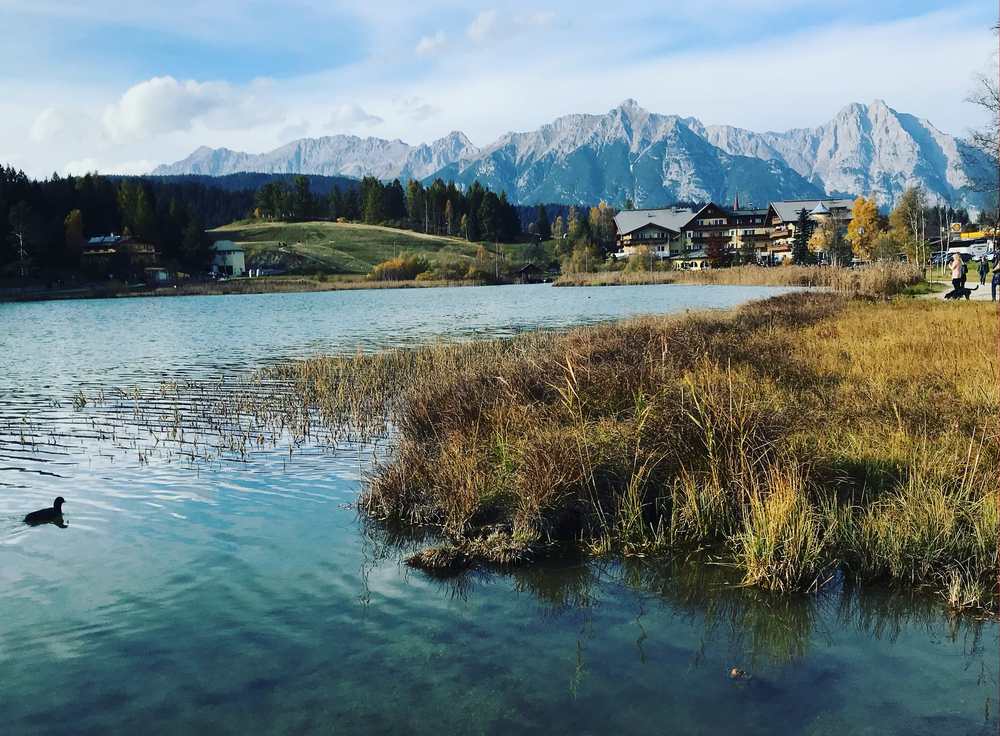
(799, 435)
(878, 280)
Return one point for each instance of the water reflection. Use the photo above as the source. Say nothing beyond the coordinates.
(215, 578)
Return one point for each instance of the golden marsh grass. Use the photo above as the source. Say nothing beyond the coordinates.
(797, 437)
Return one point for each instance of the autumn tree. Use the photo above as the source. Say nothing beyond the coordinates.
(828, 238)
(558, 228)
(886, 247)
(907, 224)
(865, 227)
(584, 258)
(601, 221)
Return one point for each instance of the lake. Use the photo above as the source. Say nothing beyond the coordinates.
(197, 589)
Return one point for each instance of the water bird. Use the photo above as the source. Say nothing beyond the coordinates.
(51, 515)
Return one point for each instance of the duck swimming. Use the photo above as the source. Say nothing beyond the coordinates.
(52, 515)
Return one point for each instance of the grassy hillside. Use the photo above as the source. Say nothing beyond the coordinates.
(334, 247)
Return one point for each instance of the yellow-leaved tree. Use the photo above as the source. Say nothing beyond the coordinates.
(865, 227)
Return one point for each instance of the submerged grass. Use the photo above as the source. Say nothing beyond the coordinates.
(796, 437)
(883, 279)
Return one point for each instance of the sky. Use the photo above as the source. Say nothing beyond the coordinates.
(120, 87)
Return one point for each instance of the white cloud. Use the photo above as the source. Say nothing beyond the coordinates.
(89, 165)
(431, 44)
(415, 108)
(294, 131)
(82, 166)
(350, 116)
(166, 105)
(483, 25)
(50, 123)
(489, 25)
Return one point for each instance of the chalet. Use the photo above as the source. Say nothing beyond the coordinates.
(105, 253)
(710, 222)
(748, 228)
(659, 230)
(782, 219)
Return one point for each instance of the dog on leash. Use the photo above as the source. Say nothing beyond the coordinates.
(961, 292)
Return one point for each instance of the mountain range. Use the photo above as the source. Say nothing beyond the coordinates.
(652, 159)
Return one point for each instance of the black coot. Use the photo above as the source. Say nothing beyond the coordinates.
(47, 516)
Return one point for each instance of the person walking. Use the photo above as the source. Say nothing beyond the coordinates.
(984, 268)
(957, 271)
(995, 282)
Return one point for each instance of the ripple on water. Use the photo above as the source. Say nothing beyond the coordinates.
(198, 591)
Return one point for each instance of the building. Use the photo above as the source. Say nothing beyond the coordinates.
(155, 276)
(120, 254)
(659, 230)
(748, 231)
(228, 259)
(783, 218)
(694, 260)
(530, 274)
(710, 222)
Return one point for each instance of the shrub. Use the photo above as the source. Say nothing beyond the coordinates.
(401, 268)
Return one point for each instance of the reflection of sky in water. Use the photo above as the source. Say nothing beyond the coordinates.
(245, 597)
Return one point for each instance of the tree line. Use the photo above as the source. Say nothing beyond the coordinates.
(45, 224)
(476, 214)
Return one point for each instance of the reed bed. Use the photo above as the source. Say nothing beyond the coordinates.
(877, 280)
(800, 438)
(266, 285)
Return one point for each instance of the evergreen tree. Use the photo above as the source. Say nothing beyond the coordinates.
(195, 252)
(801, 255)
(488, 216)
(542, 227)
(302, 200)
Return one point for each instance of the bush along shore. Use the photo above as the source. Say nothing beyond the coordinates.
(800, 438)
(883, 279)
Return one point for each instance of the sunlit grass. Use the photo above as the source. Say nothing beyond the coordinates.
(797, 436)
(883, 279)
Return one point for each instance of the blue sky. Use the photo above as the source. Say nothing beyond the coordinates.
(121, 86)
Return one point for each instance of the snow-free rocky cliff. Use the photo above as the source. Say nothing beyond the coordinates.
(631, 153)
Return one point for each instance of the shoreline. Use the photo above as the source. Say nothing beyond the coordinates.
(236, 287)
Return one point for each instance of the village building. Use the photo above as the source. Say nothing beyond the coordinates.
(228, 259)
(783, 218)
(711, 222)
(104, 254)
(661, 231)
(748, 231)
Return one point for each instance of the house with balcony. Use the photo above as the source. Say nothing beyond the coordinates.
(661, 231)
(710, 222)
(783, 218)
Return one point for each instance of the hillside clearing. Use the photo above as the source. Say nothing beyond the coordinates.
(337, 247)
